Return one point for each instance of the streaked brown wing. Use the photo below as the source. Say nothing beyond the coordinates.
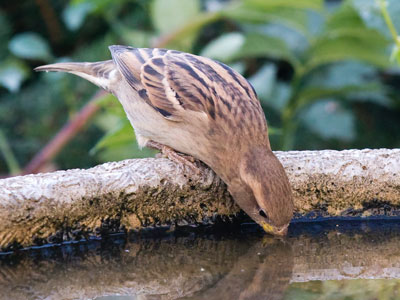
(154, 77)
(173, 82)
(144, 70)
(205, 85)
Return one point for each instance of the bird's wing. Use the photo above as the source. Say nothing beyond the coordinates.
(174, 82)
(144, 70)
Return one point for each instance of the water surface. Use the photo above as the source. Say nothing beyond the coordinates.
(336, 259)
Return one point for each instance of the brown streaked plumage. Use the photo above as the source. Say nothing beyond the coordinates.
(202, 108)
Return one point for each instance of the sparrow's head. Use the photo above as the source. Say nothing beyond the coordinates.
(263, 191)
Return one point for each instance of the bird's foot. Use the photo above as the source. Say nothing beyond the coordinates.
(171, 154)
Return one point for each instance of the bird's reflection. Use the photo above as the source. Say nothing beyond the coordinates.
(263, 272)
(227, 266)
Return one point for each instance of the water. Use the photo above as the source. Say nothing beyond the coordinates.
(318, 260)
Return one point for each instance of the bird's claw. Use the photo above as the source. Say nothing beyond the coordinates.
(171, 154)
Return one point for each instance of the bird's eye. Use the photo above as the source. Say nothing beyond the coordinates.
(263, 214)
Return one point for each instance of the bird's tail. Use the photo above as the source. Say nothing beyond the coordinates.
(99, 73)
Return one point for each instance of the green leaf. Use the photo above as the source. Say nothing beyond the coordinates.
(369, 12)
(166, 18)
(347, 38)
(179, 30)
(225, 47)
(362, 85)
(336, 75)
(100, 6)
(280, 96)
(313, 93)
(260, 45)
(327, 51)
(270, 91)
(239, 67)
(295, 41)
(12, 74)
(395, 56)
(8, 155)
(236, 45)
(289, 17)
(123, 134)
(183, 37)
(119, 143)
(74, 14)
(264, 80)
(329, 119)
(30, 45)
(345, 17)
(138, 38)
(298, 4)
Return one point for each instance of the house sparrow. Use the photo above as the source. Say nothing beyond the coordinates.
(179, 102)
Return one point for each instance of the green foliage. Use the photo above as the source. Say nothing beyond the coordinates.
(30, 45)
(12, 73)
(225, 47)
(74, 15)
(165, 19)
(8, 155)
(322, 69)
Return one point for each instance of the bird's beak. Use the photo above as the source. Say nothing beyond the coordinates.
(274, 230)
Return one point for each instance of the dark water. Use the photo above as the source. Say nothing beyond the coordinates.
(334, 259)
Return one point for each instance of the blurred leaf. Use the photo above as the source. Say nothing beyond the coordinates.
(346, 48)
(330, 120)
(371, 15)
(344, 17)
(346, 38)
(373, 92)
(107, 100)
(12, 74)
(315, 23)
(179, 30)
(236, 45)
(136, 38)
(30, 45)
(122, 134)
(295, 41)
(124, 151)
(280, 96)
(362, 85)
(8, 155)
(264, 80)
(224, 47)
(183, 37)
(260, 45)
(291, 18)
(100, 6)
(74, 14)
(299, 4)
(119, 143)
(239, 67)
(336, 75)
(274, 131)
(395, 56)
(314, 93)
(165, 16)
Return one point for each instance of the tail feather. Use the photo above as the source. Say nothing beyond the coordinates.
(100, 73)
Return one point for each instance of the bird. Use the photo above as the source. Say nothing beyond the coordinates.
(194, 108)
